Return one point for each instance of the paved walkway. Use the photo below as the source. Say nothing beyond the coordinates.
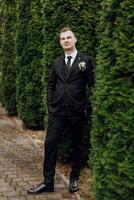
(21, 166)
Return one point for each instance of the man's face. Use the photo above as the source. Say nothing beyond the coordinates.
(67, 40)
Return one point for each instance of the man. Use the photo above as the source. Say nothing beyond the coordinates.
(67, 101)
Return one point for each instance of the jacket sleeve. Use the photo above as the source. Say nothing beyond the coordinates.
(90, 82)
(90, 73)
(51, 86)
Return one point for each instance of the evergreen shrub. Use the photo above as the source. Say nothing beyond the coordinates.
(80, 15)
(113, 105)
(8, 70)
(29, 41)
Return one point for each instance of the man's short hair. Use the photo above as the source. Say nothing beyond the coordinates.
(66, 28)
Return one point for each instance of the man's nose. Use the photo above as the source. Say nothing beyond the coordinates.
(66, 40)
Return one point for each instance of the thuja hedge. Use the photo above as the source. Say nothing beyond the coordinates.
(80, 15)
(8, 71)
(29, 41)
(0, 48)
(113, 105)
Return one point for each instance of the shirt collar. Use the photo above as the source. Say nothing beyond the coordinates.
(73, 54)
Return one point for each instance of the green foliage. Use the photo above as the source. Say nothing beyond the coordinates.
(0, 49)
(29, 41)
(113, 103)
(80, 15)
(7, 54)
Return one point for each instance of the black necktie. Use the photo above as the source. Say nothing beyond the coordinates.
(68, 62)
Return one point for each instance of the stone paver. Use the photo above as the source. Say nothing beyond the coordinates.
(21, 167)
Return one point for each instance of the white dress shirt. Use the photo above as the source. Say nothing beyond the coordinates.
(73, 55)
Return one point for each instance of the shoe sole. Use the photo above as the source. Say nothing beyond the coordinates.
(72, 191)
(28, 192)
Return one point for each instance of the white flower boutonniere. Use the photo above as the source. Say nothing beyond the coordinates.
(82, 66)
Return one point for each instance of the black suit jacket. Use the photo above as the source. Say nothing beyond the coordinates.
(69, 88)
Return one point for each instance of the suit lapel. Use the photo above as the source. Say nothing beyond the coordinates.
(61, 68)
(74, 65)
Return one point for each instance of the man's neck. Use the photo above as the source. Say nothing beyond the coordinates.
(69, 52)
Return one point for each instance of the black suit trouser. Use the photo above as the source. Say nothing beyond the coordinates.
(56, 125)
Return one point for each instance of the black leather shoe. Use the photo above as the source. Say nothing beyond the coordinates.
(73, 186)
(41, 188)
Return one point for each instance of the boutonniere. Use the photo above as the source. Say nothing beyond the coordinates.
(82, 66)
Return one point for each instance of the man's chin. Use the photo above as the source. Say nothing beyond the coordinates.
(67, 49)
